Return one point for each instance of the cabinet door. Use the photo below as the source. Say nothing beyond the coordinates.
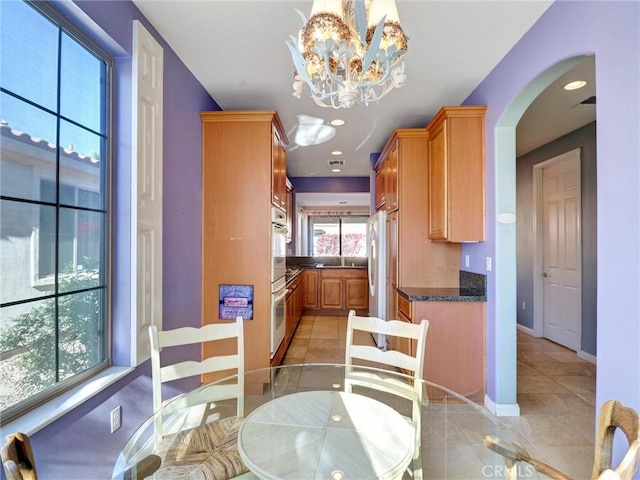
(392, 247)
(391, 177)
(356, 293)
(380, 195)
(310, 289)
(437, 183)
(331, 293)
(282, 176)
(278, 172)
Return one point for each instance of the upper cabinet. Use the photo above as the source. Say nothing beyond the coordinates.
(456, 175)
(242, 151)
(278, 170)
(386, 171)
(412, 260)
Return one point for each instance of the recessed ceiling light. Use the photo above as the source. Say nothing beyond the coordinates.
(337, 122)
(336, 152)
(576, 84)
(335, 170)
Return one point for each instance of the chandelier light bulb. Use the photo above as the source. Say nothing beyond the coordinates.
(348, 53)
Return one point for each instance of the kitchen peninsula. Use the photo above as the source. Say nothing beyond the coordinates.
(455, 352)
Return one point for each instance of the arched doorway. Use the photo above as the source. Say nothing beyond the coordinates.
(506, 261)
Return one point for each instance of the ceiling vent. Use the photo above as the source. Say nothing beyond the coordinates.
(589, 101)
(335, 163)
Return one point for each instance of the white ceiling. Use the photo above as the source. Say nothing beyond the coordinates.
(237, 50)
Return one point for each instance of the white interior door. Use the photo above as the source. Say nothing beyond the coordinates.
(561, 267)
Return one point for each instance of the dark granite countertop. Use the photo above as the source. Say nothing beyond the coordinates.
(430, 294)
(473, 288)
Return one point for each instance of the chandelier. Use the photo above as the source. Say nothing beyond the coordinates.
(349, 52)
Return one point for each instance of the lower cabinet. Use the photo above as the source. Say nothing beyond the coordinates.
(344, 289)
(331, 292)
(337, 290)
(455, 351)
(294, 306)
(310, 288)
(356, 293)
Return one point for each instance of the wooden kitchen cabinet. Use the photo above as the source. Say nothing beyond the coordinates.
(356, 293)
(238, 150)
(455, 350)
(381, 188)
(278, 172)
(386, 182)
(331, 292)
(344, 289)
(338, 290)
(294, 306)
(456, 191)
(412, 260)
(311, 289)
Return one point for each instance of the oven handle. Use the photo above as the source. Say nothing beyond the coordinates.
(280, 296)
(280, 229)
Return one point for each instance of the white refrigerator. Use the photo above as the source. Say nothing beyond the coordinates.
(377, 263)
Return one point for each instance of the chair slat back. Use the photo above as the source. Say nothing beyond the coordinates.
(187, 336)
(394, 358)
(410, 388)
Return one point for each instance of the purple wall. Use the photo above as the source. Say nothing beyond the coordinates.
(330, 184)
(80, 445)
(611, 32)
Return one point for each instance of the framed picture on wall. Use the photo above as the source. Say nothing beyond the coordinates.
(234, 301)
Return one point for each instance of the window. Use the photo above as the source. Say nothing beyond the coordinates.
(338, 235)
(54, 216)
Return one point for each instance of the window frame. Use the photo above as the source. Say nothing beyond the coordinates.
(340, 217)
(96, 372)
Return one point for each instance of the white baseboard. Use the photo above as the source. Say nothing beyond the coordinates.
(587, 356)
(526, 330)
(501, 410)
(581, 354)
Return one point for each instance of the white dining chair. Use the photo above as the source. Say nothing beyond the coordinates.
(203, 437)
(411, 364)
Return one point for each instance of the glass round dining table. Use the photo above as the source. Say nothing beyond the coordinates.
(299, 422)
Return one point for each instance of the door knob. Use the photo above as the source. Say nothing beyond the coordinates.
(543, 274)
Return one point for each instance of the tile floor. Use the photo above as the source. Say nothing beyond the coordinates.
(556, 391)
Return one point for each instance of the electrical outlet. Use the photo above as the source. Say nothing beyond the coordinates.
(116, 418)
(466, 261)
(524, 306)
(488, 264)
